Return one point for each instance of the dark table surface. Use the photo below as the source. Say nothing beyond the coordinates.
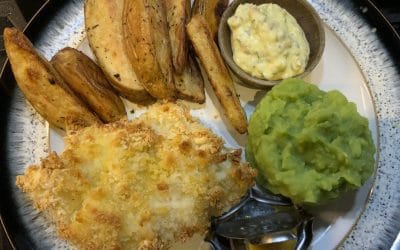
(18, 12)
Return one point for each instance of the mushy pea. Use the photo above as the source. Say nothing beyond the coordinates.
(267, 42)
(307, 144)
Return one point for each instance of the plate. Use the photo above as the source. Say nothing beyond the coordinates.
(349, 64)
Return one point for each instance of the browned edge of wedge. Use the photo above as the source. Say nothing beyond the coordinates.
(217, 73)
(212, 10)
(89, 83)
(42, 86)
(148, 47)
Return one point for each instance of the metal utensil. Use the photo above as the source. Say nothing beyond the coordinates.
(261, 218)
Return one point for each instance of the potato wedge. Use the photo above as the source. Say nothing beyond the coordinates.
(176, 19)
(42, 85)
(88, 82)
(220, 79)
(212, 10)
(147, 43)
(190, 85)
(103, 21)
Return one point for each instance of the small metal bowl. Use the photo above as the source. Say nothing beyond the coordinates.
(308, 20)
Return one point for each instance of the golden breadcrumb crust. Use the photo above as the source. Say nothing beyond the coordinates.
(141, 184)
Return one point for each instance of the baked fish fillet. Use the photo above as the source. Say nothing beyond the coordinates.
(141, 184)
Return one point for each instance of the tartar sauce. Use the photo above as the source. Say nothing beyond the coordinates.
(267, 42)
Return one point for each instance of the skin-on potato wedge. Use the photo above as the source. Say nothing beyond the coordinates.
(212, 11)
(190, 85)
(88, 82)
(147, 43)
(217, 73)
(103, 21)
(176, 18)
(42, 85)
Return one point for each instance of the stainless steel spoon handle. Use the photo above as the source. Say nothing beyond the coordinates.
(304, 234)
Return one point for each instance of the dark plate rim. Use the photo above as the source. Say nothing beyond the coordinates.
(387, 33)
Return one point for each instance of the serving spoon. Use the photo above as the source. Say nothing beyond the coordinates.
(261, 218)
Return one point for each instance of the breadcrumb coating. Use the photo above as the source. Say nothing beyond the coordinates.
(141, 184)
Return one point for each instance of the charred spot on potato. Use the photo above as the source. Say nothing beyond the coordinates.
(32, 74)
(219, 9)
(117, 76)
(52, 81)
(228, 91)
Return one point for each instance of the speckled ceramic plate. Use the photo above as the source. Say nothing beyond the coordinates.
(354, 62)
